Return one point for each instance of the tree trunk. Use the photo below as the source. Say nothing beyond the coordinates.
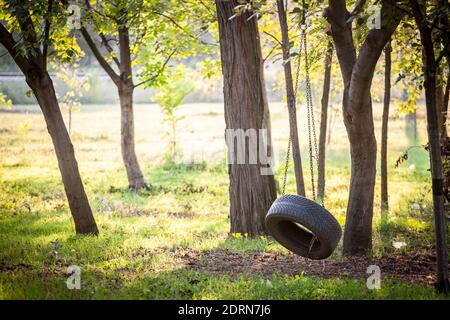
(440, 96)
(384, 129)
(323, 123)
(363, 150)
(43, 89)
(291, 100)
(445, 109)
(135, 177)
(435, 162)
(251, 193)
(430, 73)
(126, 87)
(70, 120)
(357, 72)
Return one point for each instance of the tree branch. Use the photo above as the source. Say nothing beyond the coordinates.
(46, 35)
(275, 38)
(175, 23)
(110, 49)
(104, 40)
(160, 71)
(28, 32)
(7, 40)
(357, 10)
(101, 60)
(370, 51)
(341, 31)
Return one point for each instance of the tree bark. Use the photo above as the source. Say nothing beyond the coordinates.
(440, 96)
(42, 87)
(251, 193)
(357, 73)
(125, 88)
(384, 129)
(445, 109)
(291, 99)
(323, 123)
(41, 84)
(430, 73)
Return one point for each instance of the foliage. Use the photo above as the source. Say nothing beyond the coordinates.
(62, 46)
(5, 103)
(170, 96)
(76, 86)
(160, 31)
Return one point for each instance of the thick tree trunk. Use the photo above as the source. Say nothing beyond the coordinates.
(291, 100)
(433, 128)
(43, 89)
(251, 193)
(126, 87)
(323, 123)
(384, 129)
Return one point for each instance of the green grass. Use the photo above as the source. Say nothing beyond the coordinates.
(136, 255)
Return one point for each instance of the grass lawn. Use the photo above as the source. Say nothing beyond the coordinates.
(159, 244)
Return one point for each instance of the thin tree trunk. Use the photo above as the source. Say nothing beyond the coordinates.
(436, 162)
(444, 130)
(135, 177)
(41, 84)
(43, 89)
(126, 88)
(430, 72)
(291, 100)
(323, 123)
(384, 129)
(70, 121)
(251, 193)
(440, 96)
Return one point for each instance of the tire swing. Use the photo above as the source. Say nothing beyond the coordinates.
(301, 225)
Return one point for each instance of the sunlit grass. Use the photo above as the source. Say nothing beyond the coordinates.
(133, 257)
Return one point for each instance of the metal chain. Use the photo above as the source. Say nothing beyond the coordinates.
(297, 77)
(286, 166)
(312, 137)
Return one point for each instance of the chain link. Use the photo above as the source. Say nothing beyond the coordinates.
(312, 137)
(297, 77)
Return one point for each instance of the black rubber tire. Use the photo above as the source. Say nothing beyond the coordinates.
(288, 212)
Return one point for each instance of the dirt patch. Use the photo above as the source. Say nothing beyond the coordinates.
(412, 267)
(4, 267)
